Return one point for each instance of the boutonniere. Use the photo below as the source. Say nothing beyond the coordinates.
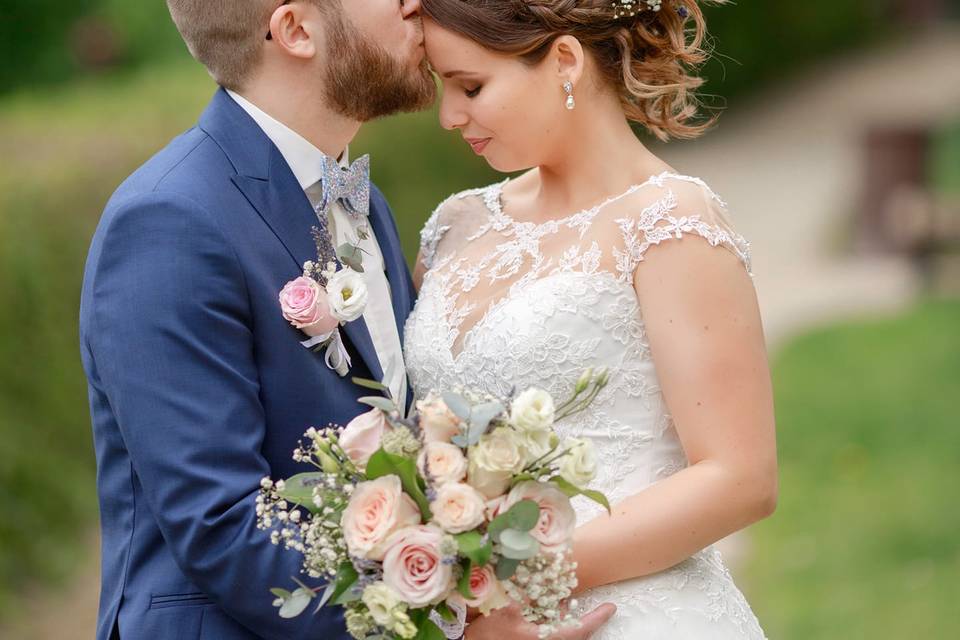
(324, 298)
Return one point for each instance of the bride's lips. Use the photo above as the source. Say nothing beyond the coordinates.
(478, 144)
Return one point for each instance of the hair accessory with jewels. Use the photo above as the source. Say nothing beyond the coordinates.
(630, 8)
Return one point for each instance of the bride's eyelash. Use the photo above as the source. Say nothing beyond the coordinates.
(472, 93)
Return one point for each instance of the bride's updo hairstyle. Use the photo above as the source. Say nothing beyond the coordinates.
(648, 51)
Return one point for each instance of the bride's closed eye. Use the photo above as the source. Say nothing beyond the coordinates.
(472, 93)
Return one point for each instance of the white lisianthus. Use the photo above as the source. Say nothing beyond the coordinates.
(579, 465)
(381, 599)
(533, 410)
(347, 295)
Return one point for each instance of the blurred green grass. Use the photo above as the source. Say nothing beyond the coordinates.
(70, 147)
(864, 543)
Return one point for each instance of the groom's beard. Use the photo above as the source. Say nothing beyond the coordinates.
(365, 82)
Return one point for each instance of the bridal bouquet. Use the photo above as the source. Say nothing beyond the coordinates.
(410, 521)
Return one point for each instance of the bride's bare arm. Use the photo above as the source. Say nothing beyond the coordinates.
(702, 320)
(419, 269)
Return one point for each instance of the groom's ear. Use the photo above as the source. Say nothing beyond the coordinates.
(295, 28)
(567, 55)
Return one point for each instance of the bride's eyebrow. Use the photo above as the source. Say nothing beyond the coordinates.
(451, 74)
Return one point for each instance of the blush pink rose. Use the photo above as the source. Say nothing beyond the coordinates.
(554, 531)
(361, 438)
(438, 422)
(376, 510)
(414, 567)
(304, 305)
(488, 593)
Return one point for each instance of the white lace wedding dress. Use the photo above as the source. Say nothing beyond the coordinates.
(507, 304)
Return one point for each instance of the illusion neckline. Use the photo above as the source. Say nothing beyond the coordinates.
(493, 200)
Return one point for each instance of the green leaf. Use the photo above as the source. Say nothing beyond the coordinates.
(445, 612)
(281, 593)
(346, 577)
(572, 490)
(471, 546)
(351, 256)
(296, 603)
(597, 497)
(299, 489)
(524, 515)
(518, 545)
(426, 630)
(463, 584)
(505, 568)
(382, 464)
(458, 404)
(369, 384)
(379, 402)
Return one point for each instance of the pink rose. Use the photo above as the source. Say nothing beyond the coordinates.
(442, 462)
(414, 567)
(376, 510)
(488, 593)
(458, 507)
(305, 306)
(438, 423)
(361, 438)
(554, 531)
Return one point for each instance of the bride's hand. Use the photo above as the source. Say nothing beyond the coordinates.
(509, 623)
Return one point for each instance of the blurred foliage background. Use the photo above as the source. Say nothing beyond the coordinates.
(89, 89)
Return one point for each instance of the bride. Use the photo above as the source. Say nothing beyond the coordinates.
(602, 255)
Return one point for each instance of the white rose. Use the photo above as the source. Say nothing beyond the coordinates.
(533, 410)
(554, 530)
(442, 462)
(377, 509)
(381, 600)
(347, 295)
(579, 465)
(494, 460)
(458, 507)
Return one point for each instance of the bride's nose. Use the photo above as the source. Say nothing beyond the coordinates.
(451, 115)
(409, 7)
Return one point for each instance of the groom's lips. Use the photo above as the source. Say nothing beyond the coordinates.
(478, 144)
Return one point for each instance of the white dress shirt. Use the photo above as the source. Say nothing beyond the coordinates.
(305, 161)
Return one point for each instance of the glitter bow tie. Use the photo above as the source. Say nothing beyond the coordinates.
(350, 185)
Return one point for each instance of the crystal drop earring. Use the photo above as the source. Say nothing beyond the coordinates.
(568, 87)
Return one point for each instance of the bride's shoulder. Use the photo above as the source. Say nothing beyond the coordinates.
(458, 212)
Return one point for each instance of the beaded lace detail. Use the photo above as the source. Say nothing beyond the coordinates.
(507, 304)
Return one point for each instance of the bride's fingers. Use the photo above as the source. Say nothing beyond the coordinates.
(589, 623)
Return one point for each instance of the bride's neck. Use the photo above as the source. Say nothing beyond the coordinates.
(600, 157)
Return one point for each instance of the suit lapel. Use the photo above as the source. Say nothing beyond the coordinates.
(267, 182)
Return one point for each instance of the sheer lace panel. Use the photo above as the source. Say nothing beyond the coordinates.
(478, 256)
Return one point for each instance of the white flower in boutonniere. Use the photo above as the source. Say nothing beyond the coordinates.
(347, 295)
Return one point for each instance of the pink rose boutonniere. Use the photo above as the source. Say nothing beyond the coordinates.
(318, 302)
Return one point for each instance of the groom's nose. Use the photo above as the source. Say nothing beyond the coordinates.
(410, 8)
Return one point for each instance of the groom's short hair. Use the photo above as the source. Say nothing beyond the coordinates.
(226, 36)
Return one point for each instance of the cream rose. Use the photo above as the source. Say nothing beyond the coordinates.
(437, 422)
(494, 460)
(377, 509)
(579, 465)
(382, 600)
(458, 507)
(442, 462)
(413, 565)
(554, 530)
(347, 295)
(362, 436)
(304, 305)
(533, 410)
(488, 593)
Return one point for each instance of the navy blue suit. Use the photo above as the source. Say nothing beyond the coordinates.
(199, 388)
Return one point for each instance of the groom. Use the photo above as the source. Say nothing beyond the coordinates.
(198, 386)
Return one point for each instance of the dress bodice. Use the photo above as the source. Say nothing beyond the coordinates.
(507, 305)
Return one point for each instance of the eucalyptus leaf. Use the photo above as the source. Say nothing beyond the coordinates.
(296, 603)
(458, 404)
(505, 568)
(471, 545)
(299, 489)
(461, 441)
(325, 597)
(281, 593)
(518, 545)
(483, 414)
(382, 464)
(379, 402)
(524, 515)
(370, 384)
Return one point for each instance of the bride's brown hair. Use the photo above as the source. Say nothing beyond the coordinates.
(650, 58)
